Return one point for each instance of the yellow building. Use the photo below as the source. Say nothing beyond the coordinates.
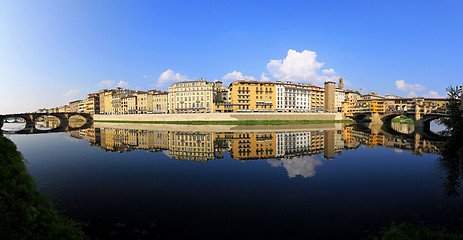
(112, 100)
(142, 101)
(377, 106)
(367, 105)
(191, 97)
(317, 98)
(108, 99)
(255, 96)
(129, 104)
(92, 105)
(157, 101)
(348, 107)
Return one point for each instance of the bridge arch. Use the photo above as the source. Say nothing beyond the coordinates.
(45, 122)
(360, 116)
(30, 121)
(425, 121)
(386, 118)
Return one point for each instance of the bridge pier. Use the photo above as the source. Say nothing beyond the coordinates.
(375, 128)
(30, 121)
(63, 122)
(375, 118)
(419, 123)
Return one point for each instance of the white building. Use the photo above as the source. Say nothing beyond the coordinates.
(292, 97)
(339, 97)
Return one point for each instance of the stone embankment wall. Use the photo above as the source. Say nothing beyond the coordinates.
(221, 128)
(219, 117)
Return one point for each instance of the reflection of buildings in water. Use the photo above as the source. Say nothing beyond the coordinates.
(403, 127)
(198, 146)
(303, 165)
(48, 123)
(417, 145)
(91, 134)
(248, 146)
(123, 140)
(329, 144)
(203, 146)
(299, 143)
(292, 143)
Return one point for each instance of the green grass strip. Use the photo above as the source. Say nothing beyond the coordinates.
(237, 122)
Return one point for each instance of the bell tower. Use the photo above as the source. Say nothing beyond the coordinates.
(341, 84)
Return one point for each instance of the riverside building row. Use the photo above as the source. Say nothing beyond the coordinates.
(202, 96)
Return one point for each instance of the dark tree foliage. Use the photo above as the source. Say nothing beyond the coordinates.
(24, 212)
(452, 153)
(408, 231)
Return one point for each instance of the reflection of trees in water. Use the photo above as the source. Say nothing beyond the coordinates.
(452, 153)
(304, 166)
(403, 127)
(25, 213)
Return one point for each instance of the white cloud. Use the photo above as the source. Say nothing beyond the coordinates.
(145, 76)
(328, 71)
(72, 93)
(300, 67)
(123, 84)
(412, 94)
(264, 78)
(401, 85)
(233, 76)
(170, 76)
(304, 166)
(433, 94)
(107, 83)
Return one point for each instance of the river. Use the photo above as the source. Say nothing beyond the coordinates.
(328, 181)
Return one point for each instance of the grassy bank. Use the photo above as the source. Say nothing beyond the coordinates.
(238, 122)
(26, 214)
(402, 119)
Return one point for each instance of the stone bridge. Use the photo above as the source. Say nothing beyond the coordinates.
(30, 119)
(421, 120)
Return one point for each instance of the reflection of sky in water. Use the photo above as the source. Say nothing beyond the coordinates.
(436, 127)
(13, 126)
(304, 166)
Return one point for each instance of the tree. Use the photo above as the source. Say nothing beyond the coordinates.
(451, 159)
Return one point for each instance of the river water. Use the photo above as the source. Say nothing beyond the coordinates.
(327, 181)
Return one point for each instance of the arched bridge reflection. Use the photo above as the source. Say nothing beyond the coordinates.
(30, 120)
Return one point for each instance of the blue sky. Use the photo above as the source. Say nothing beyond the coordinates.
(52, 52)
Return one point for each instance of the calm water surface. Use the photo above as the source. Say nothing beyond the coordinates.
(185, 182)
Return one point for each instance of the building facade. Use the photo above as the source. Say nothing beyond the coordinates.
(92, 105)
(191, 97)
(252, 96)
(292, 97)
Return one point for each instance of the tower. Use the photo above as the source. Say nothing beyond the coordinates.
(341, 83)
(330, 97)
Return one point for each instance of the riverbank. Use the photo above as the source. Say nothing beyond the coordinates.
(221, 128)
(225, 118)
(26, 213)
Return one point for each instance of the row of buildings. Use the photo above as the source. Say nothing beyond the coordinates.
(202, 96)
